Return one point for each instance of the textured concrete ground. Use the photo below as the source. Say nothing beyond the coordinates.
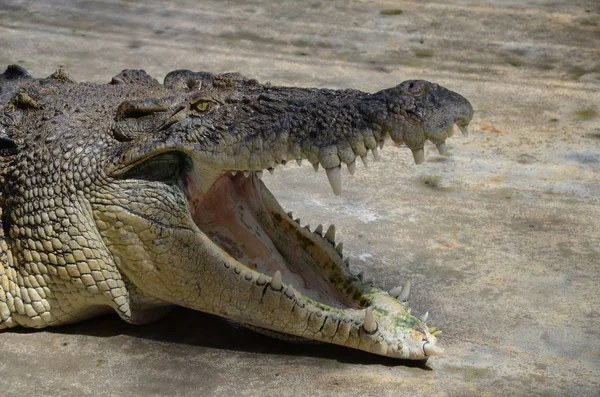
(501, 239)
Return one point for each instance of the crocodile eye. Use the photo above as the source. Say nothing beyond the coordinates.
(202, 106)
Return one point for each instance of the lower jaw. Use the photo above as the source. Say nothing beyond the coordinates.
(326, 302)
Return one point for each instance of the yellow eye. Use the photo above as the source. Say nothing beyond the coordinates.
(201, 106)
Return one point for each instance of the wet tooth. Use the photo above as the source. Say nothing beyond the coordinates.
(432, 350)
(403, 297)
(307, 227)
(436, 332)
(365, 161)
(442, 148)
(395, 292)
(271, 170)
(335, 179)
(297, 220)
(352, 167)
(299, 162)
(330, 235)
(450, 131)
(432, 330)
(424, 317)
(276, 282)
(381, 144)
(375, 154)
(290, 214)
(316, 166)
(319, 229)
(464, 129)
(340, 248)
(246, 173)
(290, 292)
(259, 174)
(419, 155)
(233, 172)
(370, 325)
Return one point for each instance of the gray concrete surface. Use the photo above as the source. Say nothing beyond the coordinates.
(501, 239)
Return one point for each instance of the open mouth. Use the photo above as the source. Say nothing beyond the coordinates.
(242, 217)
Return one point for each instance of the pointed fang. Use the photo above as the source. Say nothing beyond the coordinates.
(290, 214)
(463, 128)
(347, 262)
(396, 291)
(370, 325)
(432, 350)
(424, 317)
(316, 166)
(335, 179)
(381, 143)
(365, 160)
(330, 235)
(352, 167)
(419, 155)
(259, 174)
(290, 292)
(375, 154)
(403, 297)
(271, 170)
(233, 172)
(442, 148)
(340, 248)
(246, 173)
(276, 281)
(436, 332)
(319, 229)
(299, 162)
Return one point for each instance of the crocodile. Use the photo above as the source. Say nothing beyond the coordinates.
(135, 197)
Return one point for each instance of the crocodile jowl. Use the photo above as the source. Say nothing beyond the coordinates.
(136, 196)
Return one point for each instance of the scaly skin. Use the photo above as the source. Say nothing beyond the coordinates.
(136, 196)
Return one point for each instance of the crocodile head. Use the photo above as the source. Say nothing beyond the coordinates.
(159, 201)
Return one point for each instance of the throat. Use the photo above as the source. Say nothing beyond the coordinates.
(235, 217)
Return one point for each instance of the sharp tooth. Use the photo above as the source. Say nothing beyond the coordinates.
(259, 174)
(360, 275)
(464, 129)
(365, 160)
(316, 166)
(425, 316)
(340, 248)
(381, 143)
(432, 350)
(352, 167)
(246, 173)
(299, 162)
(307, 227)
(450, 131)
(409, 311)
(261, 280)
(347, 262)
(271, 170)
(330, 235)
(297, 220)
(319, 229)
(290, 292)
(290, 214)
(419, 155)
(375, 154)
(233, 172)
(403, 297)
(276, 281)
(395, 292)
(442, 148)
(370, 325)
(436, 332)
(335, 179)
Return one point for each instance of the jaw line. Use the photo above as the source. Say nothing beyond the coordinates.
(393, 320)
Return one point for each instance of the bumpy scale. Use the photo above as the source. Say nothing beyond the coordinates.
(136, 196)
